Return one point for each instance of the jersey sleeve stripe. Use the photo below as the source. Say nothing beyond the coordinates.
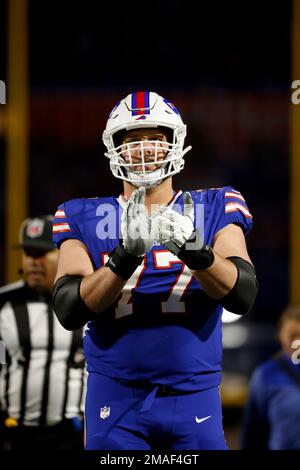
(230, 194)
(235, 206)
(60, 214)
(61, 227)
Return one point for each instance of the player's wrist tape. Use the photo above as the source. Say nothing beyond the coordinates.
(70, 309)
(197, 259)
(123, 263)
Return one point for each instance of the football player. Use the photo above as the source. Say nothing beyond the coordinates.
(150, 271)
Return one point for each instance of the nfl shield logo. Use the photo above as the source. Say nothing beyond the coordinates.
(105, 412)
(35, 228)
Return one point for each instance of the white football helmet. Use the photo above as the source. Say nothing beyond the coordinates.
(145, 109)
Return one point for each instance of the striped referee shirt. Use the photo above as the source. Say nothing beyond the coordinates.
(43, 380)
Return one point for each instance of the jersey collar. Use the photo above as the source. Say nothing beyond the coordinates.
(122, 200)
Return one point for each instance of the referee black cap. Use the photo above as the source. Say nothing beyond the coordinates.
(36, 233)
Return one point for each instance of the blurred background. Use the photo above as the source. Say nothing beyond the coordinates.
(227, 66)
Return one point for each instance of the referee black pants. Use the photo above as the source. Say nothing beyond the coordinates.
(61, 436)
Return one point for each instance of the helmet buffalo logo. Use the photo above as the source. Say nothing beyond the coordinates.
(171, 106)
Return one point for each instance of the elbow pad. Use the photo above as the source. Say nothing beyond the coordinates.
(71, 311)
(241, 297)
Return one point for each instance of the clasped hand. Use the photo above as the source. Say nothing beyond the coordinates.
(139, 230)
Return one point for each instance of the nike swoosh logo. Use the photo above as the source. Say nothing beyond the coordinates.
(200, 420)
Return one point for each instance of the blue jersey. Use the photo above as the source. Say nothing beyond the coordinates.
(272, 415)
(163, 328)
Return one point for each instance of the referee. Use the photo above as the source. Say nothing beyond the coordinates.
(42, 384)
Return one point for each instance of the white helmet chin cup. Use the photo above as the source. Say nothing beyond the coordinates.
(139, 110)
(149, 180)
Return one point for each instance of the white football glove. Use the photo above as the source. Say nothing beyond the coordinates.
(136, 225)
(174, 229)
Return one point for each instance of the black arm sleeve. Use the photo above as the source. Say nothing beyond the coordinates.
(243, 294)
(71, 311)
